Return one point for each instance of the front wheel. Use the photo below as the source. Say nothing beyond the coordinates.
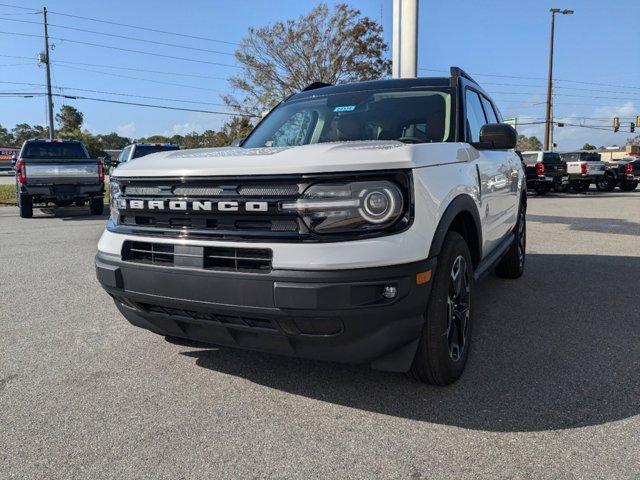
(444, 345)
(96, 205)
(25, 204)
(560, 187)
(628, 186)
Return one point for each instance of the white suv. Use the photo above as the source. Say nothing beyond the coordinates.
(350, 225)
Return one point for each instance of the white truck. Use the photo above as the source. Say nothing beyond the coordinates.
(584, 168)
(351, 225)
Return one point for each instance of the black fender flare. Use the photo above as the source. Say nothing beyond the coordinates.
(463, 203)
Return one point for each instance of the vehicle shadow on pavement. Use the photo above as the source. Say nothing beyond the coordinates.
(557, 349)
(585, 224)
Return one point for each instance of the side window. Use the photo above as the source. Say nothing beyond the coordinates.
(488, 110)
(294, 131)
(475, 116)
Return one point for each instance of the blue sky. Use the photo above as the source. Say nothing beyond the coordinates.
(599, 44)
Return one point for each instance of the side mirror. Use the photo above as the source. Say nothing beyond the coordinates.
(497, 136)
(13, 161)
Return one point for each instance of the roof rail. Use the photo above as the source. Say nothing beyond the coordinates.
(457, 72)
(315, 85)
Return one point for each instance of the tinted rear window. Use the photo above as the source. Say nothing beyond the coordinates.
(142, 150)
(55, 151)
(530, 157)
(550, 158)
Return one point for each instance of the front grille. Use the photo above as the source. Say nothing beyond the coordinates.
(226, 320)
(239, 259)
(256, 260)
(146, 252)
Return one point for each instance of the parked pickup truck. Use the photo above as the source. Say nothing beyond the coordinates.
(137, 150)
(351, 225)
(624, 173)
(59, 172)
(7, 159)
(583, 168)
(545, 171)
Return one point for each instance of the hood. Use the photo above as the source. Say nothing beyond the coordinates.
(315, 158)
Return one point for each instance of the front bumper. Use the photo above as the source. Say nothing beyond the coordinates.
(338, 315)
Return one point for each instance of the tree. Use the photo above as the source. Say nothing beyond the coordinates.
(327, 45)
(69, 118)
(6, 138)
(528, 143)
(588, 146)
(634, 140)
(113, 141)
(24, 131)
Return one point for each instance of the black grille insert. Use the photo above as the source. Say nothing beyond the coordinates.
(256, 260)
(147, 252)
(227, 320)
(239, 259)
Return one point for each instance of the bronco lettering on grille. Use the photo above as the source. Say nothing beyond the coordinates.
(206, 206)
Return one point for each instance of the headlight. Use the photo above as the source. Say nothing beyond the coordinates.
(350, 207)
(115, 199)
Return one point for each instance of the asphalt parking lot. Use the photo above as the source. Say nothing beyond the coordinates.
(551, 390)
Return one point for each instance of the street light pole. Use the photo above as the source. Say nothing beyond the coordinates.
(47, 61)
(548, 123)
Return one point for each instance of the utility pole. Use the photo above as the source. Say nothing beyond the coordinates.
(47, 63)
(405, 39)
(548, 123)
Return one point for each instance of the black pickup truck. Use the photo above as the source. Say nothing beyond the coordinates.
(625, 174)
(545, 171)
(59, 172)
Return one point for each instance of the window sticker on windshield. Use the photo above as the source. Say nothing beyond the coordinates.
(345, 108)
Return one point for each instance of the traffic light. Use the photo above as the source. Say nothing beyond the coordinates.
(632, 127)
(638, 121)
(616, 124)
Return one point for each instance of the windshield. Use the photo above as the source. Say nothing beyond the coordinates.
(408, 115)
(54, 150)
(142, 150)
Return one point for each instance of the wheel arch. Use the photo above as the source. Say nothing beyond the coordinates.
(461, 216)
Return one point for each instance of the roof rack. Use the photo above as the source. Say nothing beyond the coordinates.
(457, 72)
(315, 85)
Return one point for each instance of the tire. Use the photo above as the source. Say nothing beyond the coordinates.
(25, 204)
(542, 190)
(512, 264)
(96, 206)
(606, 183)
(580, 186)
(444, 345)
(626, 186)
(561, 188)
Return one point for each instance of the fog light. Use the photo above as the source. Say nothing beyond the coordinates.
(389, 292)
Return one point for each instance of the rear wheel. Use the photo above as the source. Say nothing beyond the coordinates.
(560, 187)
(96, 205)
(444, 346)
(580, 186)
(512, 264)
(605, 183)
(628, 186)
(25, 204)
(543, 189)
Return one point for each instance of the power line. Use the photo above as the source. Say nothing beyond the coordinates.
(138, 27)
(34, 10)
(119, 67)
(61, 88)
(138, 78)
(165, 107)
(129, 50)
(125, 37)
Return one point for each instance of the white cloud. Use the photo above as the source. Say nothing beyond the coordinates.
(126, 130)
